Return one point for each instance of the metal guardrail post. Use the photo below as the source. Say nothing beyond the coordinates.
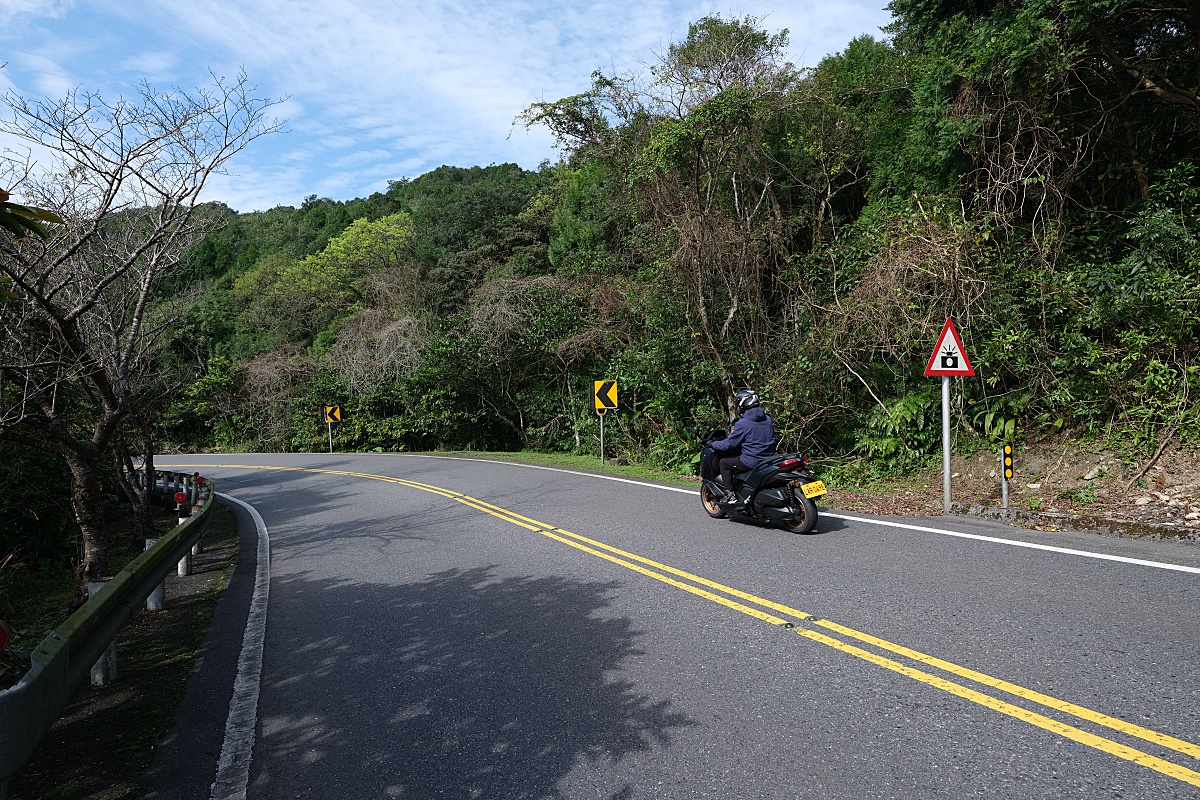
(157, 599)
(204, 494)
(104, 671)
(183, 511)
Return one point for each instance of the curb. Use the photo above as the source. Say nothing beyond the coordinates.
(1082, 522)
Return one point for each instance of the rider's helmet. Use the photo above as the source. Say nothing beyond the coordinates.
(745, 399)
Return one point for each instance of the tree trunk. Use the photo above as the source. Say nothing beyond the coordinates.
(87, 503)
(145, 491)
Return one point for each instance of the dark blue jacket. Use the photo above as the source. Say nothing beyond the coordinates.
(754, 433)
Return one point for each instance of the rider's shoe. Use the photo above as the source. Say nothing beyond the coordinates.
(729, 499)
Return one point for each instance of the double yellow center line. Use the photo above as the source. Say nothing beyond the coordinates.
(760, 608)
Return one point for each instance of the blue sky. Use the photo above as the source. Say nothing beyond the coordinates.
(376, 90)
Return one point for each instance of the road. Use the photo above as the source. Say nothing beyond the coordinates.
(453, 628)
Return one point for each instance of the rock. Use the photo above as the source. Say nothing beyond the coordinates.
(1193, 515)
(1036, 467)
(1092, 474)
(1034, 485)
(992, 474)
(1143, 501)
(1163, 497)
(1173, 503)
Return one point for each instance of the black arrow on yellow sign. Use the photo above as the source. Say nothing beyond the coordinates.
(606, 394)
(333, 413)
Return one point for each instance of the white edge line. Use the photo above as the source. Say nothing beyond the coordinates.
(233, 766)
(1031, 545)
(993, 539)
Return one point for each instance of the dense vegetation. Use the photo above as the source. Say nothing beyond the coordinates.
(726, 219)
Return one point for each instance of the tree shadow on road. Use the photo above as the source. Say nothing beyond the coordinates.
(459, 685)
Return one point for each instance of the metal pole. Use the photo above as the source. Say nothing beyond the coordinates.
(601, 413)
(157, 599)
(329, 425)
(946, 445)
(184, 567)
(104, 671)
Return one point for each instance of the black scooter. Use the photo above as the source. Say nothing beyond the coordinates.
(779, 490)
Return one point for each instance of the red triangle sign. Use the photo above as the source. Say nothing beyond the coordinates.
(949, 357)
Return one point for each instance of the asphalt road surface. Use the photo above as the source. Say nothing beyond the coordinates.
(451, 628)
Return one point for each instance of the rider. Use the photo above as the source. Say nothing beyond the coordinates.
(751, 440)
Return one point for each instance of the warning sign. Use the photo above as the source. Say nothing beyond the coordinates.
(606, 395)
(949, 357)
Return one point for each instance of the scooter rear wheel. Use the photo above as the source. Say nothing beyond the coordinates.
(806, 519)
(709, 501)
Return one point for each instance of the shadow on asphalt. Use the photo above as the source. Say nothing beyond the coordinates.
(824, 524)
(456, 685)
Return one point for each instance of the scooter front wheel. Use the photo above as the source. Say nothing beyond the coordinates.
(710, 502)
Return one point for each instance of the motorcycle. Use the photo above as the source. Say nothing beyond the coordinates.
(779, 490)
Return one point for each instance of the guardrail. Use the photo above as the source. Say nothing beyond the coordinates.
(67, 654)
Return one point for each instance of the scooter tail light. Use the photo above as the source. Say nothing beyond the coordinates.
(788, 463)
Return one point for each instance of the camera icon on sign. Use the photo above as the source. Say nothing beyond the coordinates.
(949, 359)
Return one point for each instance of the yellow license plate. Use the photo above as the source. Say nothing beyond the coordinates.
(814, 489)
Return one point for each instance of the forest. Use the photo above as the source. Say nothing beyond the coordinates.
(717, 219)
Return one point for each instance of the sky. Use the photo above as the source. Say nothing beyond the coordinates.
(374, 91)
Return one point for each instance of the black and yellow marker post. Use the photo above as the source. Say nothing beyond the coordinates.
(1007, 474)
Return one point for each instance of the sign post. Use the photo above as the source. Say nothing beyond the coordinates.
(332, 414)
(605, 397)
(949, 360)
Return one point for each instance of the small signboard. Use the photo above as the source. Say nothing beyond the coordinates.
(606, 395)
(333, 413)
(949, 358)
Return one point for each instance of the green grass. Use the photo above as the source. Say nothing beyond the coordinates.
(1084, 497)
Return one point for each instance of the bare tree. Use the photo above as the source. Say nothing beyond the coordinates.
(81, 339)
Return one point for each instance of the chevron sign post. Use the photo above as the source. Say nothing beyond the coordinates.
(604, 395)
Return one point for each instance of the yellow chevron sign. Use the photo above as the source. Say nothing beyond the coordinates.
(605, 395)
(333, 413)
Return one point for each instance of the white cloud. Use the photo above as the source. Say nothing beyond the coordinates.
(379, 85)
(156, 66)
(19, 13)
(46, 75)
